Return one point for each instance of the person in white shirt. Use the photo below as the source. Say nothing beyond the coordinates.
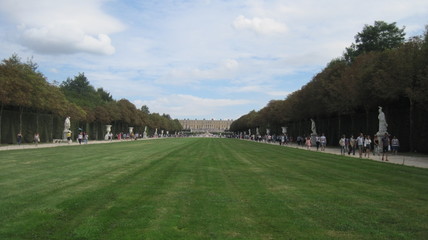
(323, 141)
(342, 145)
(367, 146)
(360, 144)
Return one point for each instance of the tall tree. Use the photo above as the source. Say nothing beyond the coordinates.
(377, 37)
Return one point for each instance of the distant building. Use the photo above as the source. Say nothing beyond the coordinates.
(205, 125)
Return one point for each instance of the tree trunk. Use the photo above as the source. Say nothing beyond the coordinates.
(52, 127)
(340, 125)
(21, 111)
(1, 114)
(367, 119)
(37, 121)
(411, 109)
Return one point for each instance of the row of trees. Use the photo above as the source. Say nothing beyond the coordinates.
(26, 90)
(380, 69)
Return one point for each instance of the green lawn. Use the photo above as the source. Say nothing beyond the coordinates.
(206, 189)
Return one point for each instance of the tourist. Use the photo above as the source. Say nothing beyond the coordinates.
(352, 144)
(299, 140)
(318, 141)
(342, 145)
(85, 137)
(360, 144)
(395, 144)
(308, 143)
(282, 142)
(385, 145)
(80, 137)
(19, 138)
(36, 139)
(323, 141)
(69, 137)
(375, 145)
(367, 146)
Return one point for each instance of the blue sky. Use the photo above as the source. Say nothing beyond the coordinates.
(197, 59)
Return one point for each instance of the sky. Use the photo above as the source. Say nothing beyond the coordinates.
(194, 59)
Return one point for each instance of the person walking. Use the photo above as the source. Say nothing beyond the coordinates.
(36, 139)
(69, 137)
(395, 144)
(375, 145)
(367, 146)
(19, 138)
(308, 143)
(352, 144)
(80, 137)
(385, 145)
(360, 144)
(342, 144)
(318, 141)
(85, 137)
(323, 141)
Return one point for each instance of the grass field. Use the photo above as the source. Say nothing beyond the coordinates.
(206, 189)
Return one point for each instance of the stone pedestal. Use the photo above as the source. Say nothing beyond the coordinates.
(314, 139)
(64, 135)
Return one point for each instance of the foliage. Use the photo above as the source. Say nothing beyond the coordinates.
(388, 74)
(379, 37)
(24, 87)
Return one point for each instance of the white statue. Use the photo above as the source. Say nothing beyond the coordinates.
(108, 129)
(382, 122)
(67, 124)
(284, 130)
(313, 128)
(145, 132)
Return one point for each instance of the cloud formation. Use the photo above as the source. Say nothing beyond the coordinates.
(193, 59)
(259, 25)
(62, 27)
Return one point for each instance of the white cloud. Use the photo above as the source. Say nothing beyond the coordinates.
(62, 27)
(170, 52)
(259, 25)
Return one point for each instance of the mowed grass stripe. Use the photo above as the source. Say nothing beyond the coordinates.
(206, 189)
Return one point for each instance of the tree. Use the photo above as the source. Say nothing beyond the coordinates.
(105, 96)
(78, 90)
(379, 37)
(145, 109)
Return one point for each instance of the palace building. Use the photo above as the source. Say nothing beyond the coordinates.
(205, 125)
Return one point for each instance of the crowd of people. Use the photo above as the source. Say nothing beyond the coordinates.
(364, 145)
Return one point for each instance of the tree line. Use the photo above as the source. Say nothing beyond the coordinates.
(380, 69)
(26, 93)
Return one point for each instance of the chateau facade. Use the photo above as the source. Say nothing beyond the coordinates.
(205, 125)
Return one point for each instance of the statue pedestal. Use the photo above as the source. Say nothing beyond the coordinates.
(314, 139)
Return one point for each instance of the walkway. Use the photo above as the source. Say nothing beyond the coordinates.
(401, 158)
